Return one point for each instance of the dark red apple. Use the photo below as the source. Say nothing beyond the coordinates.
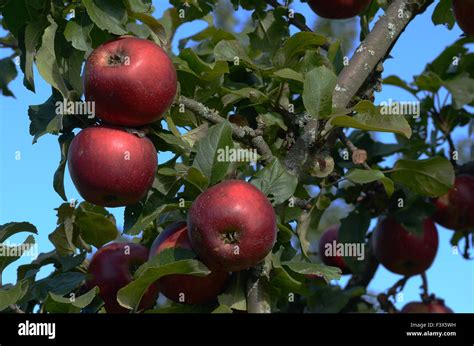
(131, 80)
(434, 307)
(402, 252)
(464, 12)
(327, 246)
(338, 9)
(112, 268)
(232, 226)
(112, 167)
(187, 289)
(455, 210)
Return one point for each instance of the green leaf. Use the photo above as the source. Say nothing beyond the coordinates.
(9, 229)
(431, 177)
(352, 233)
(209, 159)
(167, 181)
(296, 46)
(7, 74)
(58, 181)
(193, 136)
(361, 176)
(234, 296)
(429, 81)
(78, 32)
(232, 51)
(397, 81)
(61, 284)
(369, 118)
(305, 268)
(33, 32)
(130, 295)
(414, 214)
(96, 229)
(62, 239)
(308, 221)
(13, 294)
(46, 60)
(443, 14)
(9, 254)
(461, 88)
(55, 303)
(109, 15)
(289, 74)
(139, 216)
(158, 30)
(272, 119)
(332, 299)
(275, 182)
(222, 309)
(139, 6)
(318, 87)
(44, 119)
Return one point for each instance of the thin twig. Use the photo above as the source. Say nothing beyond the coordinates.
(239, 132)
(353, 149)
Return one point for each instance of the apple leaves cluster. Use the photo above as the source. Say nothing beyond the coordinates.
(263, 79)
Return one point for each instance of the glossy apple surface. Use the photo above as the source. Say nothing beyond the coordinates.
(187, 289)
(464, 12)
(132, 81)
(232, 226)
(402, 252)
(112, 268)
(338, 9)
(455, 210)
(111, 167)
(434, 307)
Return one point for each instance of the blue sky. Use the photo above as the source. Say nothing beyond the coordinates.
(26, 192)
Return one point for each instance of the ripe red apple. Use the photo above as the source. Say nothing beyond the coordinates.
(191, 289)
(112, 167)
(455, 210)
(402, 252)
(338, 9)
(232, 226)
(464, 12)
(328, 242)
(433, 307)
(112, 267)
(131, 80)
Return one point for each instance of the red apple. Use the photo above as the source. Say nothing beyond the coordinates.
(433, 307)
(338, 9)
(232, 226)
(112, 167)
(327, 244)
(402, 252)
(191, 289)
(455, 210)
(131, 80)
(112, 267)
(464, 12)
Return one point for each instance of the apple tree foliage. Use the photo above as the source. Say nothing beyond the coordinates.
(238, 89)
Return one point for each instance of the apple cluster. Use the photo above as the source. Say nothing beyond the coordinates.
(230, 227)
(408, 254)
(132, 82)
